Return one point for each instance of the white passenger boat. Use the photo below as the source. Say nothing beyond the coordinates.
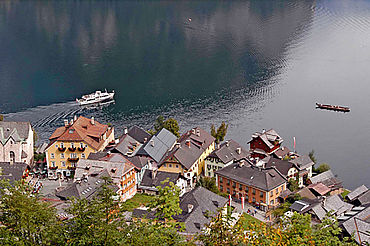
(96, 97)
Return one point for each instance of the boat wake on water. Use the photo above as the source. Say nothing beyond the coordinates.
(45, 118)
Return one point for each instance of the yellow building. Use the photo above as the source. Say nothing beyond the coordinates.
(189, 154)
(75, 140)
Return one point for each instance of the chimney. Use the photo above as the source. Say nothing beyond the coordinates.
(239, 150)
(154, 173)
(75, 118)
(125, 131)
(145, 140)
(190, 208)
(187, 143)
(282, 148)
(92, 121)
(198, 132)
(227, 143)
(263, 131)
(71, 122)
(108, 153)
(66, 123)
(178, 145)
(193, 130)
(241, 163)
(152, 143)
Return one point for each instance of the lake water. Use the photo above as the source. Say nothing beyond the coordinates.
(254, 64)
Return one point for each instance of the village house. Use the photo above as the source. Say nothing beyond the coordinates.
(153, 178)
(328, 179)
(123, 175)
(131, 141)
(259, 186)
(74, 141)
(358, 226)
(88, 188)
(158, 146)
(286, 168)
(264, 143)
(16, 142)
(198, 207)
(304, 164)
(359, 196)
(188, 155)
(224, 155)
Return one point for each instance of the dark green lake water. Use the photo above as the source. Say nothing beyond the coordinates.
(254, 64)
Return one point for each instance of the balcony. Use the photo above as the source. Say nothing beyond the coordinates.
(53, 168)
(81, 149)
(72, 149)
(62, 149)
(73, 159)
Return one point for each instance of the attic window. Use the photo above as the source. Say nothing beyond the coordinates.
(71, 130)
(215, 203)
(197, 225)
(84, 126)
(113, 170)
(272, 175)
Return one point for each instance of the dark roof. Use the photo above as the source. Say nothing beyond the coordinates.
(262, 178)
(143, 213)
(199, 141)
(281, 152)
(139, 134)
(85, 188)
(229, 151)
(149, 181)
(106, 156)
(299, 206)
(305, 192)
(281, 165)
(139, 161)
(158, 145)
(303, 162)
(12, 172)
(357, 192)
(127, 145)
(205, 204)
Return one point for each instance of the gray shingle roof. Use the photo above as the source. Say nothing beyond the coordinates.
(149, 181)
(87, 190)
(363, 225)
(199, 139)
(158, 145)
(322, 177)
(336, 204)
(364, 199)
(127, 145)
(262, 178)
(17, 130)
(299, 206)
(281, 165)
(139, 134)
(90, 167)
(228, 151)
(303, 162)
(319, 211)
(205, 205)
(12, 172)
(357, 192)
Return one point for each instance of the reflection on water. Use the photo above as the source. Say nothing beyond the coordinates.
(255, 64)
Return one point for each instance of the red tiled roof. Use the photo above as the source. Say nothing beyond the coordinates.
(82, 130)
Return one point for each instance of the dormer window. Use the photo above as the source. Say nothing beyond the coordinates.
(62, 145)
(71, 131)
(72, 145)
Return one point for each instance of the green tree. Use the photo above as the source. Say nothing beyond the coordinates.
(167, 203)
(95, 222)
(210, 184)
(170, 124)
(322, 168)
(173, 126)
(312, 156)
(24, 219)
(293, 184)
(220, 134)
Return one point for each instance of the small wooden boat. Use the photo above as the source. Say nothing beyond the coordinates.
(332, 107)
